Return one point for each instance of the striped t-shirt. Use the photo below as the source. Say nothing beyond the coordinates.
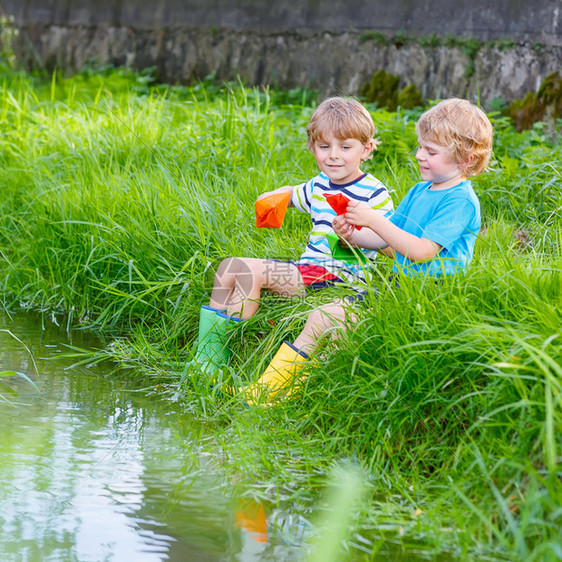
(309, 198)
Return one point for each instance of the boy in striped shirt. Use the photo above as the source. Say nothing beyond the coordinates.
(341, 137)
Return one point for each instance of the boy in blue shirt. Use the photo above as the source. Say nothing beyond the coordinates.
(432, 232)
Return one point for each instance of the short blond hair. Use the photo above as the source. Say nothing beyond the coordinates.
(344, 118)
(461, 127)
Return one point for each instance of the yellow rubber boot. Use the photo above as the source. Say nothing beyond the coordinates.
(278, 375)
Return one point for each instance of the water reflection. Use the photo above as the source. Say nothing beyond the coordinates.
(92, 471)
(250, 519)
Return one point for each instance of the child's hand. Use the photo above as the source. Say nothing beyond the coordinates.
(283, 189)
(264, 195)
(359, 214)
(342, 228)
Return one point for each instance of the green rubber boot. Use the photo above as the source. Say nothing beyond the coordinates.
(212, 352)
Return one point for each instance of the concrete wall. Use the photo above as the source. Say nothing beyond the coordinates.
(308, 44)
(538, 20)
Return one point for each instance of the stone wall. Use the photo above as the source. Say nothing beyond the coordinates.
(333, 47)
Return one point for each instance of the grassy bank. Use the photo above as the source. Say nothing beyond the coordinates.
(120, 198)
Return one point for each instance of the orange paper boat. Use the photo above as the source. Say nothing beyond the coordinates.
(270, 211)
(339, 203)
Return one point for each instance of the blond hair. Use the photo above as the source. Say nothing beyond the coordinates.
(462, 128)
(344, 118)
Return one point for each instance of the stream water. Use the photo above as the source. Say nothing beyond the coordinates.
(93, 471)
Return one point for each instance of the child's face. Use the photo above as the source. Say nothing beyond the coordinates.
(437, 166)
(340, 159)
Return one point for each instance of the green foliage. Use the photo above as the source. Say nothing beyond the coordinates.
(401, 38)
(376, 36)
(502, 44)
(119, 198)
(432, 40)
(468, 45)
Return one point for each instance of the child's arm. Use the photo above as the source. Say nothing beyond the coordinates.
(406, 244)
(284, 189)
(367, 239)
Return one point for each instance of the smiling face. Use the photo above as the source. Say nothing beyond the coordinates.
(340, 159)
(437, 166)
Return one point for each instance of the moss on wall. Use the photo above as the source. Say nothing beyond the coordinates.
(410, 97)
(544, 105)
(383, 89)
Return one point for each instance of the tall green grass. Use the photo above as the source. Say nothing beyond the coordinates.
(119, 198)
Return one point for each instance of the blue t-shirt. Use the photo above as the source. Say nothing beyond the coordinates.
(449, 217)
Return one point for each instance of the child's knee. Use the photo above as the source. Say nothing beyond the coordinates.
(318, 317)
(234, 267)
(326, 316)
(225, 266)
(259, 272)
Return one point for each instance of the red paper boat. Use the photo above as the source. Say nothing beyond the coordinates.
(339, 203)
